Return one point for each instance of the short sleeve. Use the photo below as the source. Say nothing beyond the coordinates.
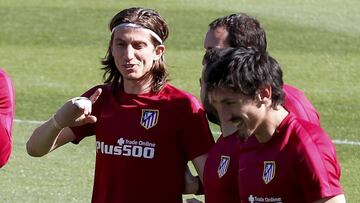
(318, 168)
(197, 138)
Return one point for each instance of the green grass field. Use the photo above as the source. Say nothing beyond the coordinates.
(52, 49)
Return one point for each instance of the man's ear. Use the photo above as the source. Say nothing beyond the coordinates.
(263, 95)
(159, 51)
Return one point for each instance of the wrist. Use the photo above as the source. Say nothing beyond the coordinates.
(55, 123)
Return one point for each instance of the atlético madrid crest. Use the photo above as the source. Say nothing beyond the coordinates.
(223, 165)
(269, 171)
(149, 118)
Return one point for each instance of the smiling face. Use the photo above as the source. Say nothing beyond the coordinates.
(134, 54)
(245, 113)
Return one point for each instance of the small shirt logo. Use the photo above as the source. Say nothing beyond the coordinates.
(149, 118)
(223, 166)
(269, 171)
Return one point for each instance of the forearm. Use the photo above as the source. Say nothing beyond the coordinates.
(191, 182)
(199, 164)
(43, 139)
(56, 132)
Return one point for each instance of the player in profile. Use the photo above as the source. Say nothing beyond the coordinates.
(281, 157)
(7, 108)
(146, 129)
(237, 30)
(242, 30)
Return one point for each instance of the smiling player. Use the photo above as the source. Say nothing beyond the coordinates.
(146, 129)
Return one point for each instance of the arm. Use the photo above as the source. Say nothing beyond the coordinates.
(55, 132)
(191, 182)
(46, 138)
(199, 164)
(336, 199)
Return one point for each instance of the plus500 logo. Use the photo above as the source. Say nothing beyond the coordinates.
(128, 148)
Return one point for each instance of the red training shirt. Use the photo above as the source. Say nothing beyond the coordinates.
(7, 108)
(143, 144)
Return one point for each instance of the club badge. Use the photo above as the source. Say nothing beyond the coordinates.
(149, 118)
(223, 166)
(269, 171)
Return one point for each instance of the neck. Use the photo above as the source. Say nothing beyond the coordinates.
(137, 86)
(272, 120)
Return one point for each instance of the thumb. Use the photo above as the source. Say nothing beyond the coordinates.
(90, 119)
(93, 98)
(85, 120)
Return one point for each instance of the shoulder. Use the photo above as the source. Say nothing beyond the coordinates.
(309, 136)
(302, 128)
(106, 89)
(297, 102)
(182, 97)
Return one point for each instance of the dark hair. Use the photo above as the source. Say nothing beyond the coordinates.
(244, 31)
(146, 18)
(246, 70)
(211, 55)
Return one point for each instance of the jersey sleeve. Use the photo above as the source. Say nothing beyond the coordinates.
(197, 138)
(318, 168)
(297, 103)
(89, 129)
(7, 108)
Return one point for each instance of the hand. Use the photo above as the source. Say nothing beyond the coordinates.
(77, 111)
(193, 200)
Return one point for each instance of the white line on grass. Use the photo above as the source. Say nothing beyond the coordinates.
(347, 142)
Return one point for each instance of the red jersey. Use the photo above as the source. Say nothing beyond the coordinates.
(143, 144)
(224, 188)
(220, 183)
(298, 164)
(296, 102)
(7, 108)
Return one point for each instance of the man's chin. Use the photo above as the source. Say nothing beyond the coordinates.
(243, 135)
(228, 130)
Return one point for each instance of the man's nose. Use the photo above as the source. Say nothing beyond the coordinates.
(129, 52)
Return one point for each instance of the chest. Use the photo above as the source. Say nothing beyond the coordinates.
(268, 173)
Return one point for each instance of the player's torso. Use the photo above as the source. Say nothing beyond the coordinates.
(137, 144)
(267, 173)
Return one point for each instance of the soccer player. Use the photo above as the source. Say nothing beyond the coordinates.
(238, 30)
(282, 158)
(241, 30)
(146, 129)
(7, 108)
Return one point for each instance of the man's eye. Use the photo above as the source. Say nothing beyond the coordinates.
(229, 103)
(139, 45)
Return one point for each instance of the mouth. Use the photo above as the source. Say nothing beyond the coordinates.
(238, 122)
(242, 130)
(128, 66)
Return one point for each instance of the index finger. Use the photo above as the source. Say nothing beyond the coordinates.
(93, 98)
